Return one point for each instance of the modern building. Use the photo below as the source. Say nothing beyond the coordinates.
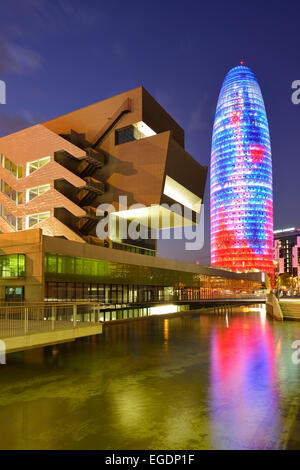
(54, 176)
(287, 251)
(37, 267)
(241, 177)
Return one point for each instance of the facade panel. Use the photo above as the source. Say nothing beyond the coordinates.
(241, 177)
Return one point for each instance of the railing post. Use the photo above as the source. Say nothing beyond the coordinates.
(53, 317)
(74, 315)
(25, 320)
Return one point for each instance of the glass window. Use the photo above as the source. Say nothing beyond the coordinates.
(50, 263)
(15, 293)
(114, 294)
(34, 219)
(124, 135)
(12, 168)
(107, 294)
(12, 265)
(101, 292)
(70, 291)
(12, 220)
(15, 196)
(61, 290)
(52, 290)
(37, 191)
(36, 164)
(120, 294)
(93, 292)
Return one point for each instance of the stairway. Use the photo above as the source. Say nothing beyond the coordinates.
(290, 309)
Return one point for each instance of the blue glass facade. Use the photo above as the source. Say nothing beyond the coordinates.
(241, 177)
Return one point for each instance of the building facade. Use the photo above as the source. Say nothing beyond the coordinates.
(37, 267)
(55, 175)
(287, 254)
(241, 177)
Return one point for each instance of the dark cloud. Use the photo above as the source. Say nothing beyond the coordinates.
(55, 16)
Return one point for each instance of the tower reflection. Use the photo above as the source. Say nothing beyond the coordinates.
(243, 391)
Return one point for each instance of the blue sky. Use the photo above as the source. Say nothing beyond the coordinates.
(60, 55)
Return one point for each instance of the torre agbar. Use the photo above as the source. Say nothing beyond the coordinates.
(241, 177)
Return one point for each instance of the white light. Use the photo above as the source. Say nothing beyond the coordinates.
(144, 129)
(291, 229)
(181, 194)
(163, 309)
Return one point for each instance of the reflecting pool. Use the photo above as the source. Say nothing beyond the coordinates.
(193, 382)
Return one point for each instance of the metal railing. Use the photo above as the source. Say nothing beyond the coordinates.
(24, 318)
(28, 318)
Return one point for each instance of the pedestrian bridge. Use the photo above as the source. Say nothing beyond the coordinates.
(31, 325)
(27, 326)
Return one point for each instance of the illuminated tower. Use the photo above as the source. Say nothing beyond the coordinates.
(241, 177)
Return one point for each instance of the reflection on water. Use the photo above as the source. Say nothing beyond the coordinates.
(243, 385)
(196, 382)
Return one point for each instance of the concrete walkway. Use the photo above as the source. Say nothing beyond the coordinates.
(37, 334)
(290, 309)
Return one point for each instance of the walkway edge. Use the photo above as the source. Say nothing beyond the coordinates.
(273, 307)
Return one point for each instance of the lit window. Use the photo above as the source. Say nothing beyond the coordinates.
(137, 131)
(35, 219)
(179, 193)
(36, 164)
(37, 191)
(12, 265)
(12, 168)
(15, 196)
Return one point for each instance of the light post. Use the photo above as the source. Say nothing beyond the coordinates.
(276, 264)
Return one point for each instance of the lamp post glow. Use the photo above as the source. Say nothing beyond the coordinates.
(241, 177)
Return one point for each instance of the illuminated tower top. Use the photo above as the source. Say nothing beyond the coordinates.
(241, 177)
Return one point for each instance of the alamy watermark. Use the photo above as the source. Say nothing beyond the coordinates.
(2, 353)
(296, 94)
(2, 92)
(152, 222)
(296, 354)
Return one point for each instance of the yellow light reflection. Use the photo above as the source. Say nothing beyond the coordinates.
(163, 309)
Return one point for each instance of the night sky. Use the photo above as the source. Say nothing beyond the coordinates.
(58, 56)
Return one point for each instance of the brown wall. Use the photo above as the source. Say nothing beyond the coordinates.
(28, 243)
(92, 118)
(136, 169)
(182, 167)
(25, 146)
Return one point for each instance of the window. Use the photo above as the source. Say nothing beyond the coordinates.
(12, 265)
(124, 135)
(13, 294)
(137, 131)
(36, 164)
(34, 219)
(12, 168)
(15, 196)
(13, 221)
(37, 191)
